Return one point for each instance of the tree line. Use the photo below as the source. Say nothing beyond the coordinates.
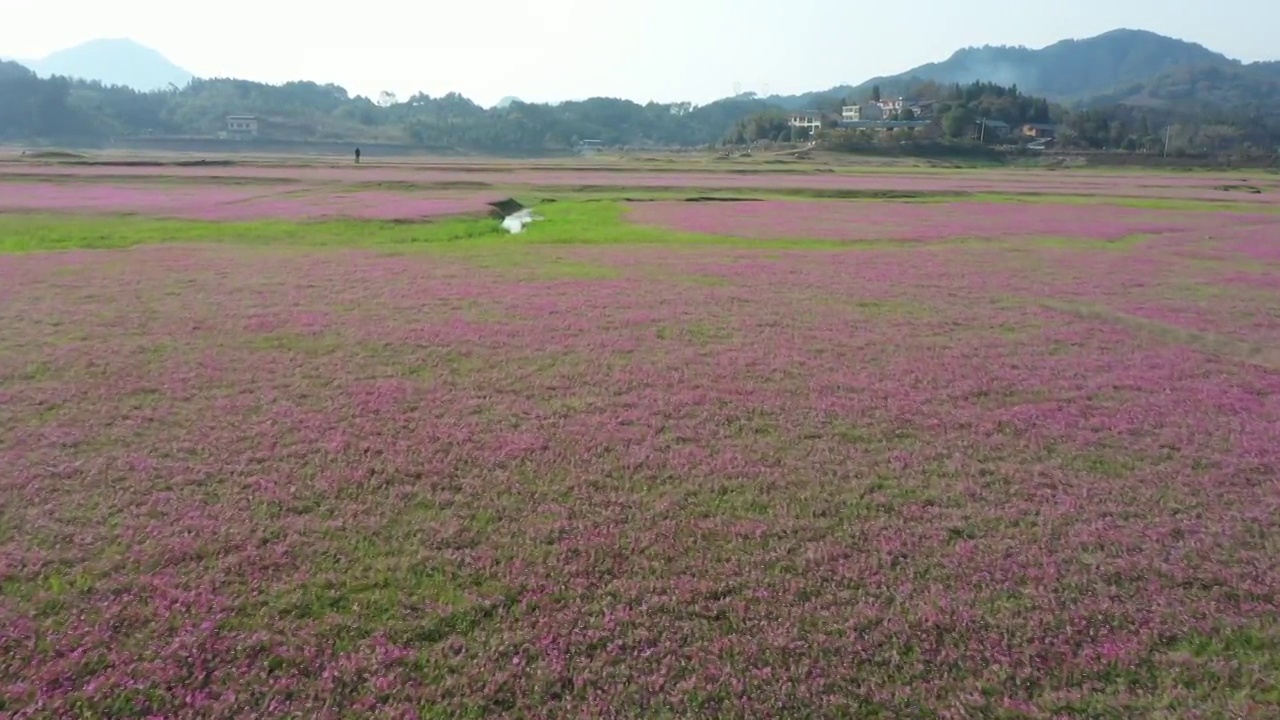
(956, 109)
(60, 109)
(1187, 123)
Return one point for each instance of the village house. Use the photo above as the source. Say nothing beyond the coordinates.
(590, 147)
(993, 129)
(810, 120)
(242, 125)
(885, 109)
(923, 108)
(861, 113)
(1039, 131)
(888, 107)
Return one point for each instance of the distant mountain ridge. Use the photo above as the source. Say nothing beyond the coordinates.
(113, 61)
(1113, 90)
(1067, 71)
(1112, 66)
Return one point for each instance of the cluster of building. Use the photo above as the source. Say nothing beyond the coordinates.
(1000, 129)
(889, 114)
(878, 114)
(885, 110)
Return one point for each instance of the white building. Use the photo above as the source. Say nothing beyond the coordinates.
(861, 113)
(810, 120)
(888, 107)
(242, 125)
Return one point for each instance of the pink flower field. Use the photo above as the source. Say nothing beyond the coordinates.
(228, 202)
(954, 481)
(1191, 186)
(864, 220)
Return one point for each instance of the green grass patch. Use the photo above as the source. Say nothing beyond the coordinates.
(1141, 203)
(890, 307)
(591, 216)
(145, 399)
(1125, 243)
(32, 372)
(524, 263)
(149, 180)
(698, 333)
(565, 223)
(49, 590)
(40, 233)
(1240, 662)
(732, 501)
(1203, 341)
(705, 280)
(887, 494)
(159, 350)
(434, 365)
(1010, 397)
(1115, 464)
(302, 343)
(1206, 291)
(390, 578)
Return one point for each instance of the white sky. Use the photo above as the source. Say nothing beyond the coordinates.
(569, 49)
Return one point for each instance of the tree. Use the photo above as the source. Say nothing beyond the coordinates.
(1117, 133)
(929, 90)
(957, 123)
(875, 93)
(1218, 138)
(1040, 113)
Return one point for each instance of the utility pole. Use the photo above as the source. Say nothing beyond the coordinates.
(1167, 131)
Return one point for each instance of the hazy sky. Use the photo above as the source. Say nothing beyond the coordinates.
(567, 49)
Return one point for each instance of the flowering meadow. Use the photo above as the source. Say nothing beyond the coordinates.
(1032, 478)
(1189, 186)
(235, 202)
(905, 221)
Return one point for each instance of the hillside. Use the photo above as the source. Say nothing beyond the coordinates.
(1204, 88)
(73, 111)
(113, 62)
(1217, 102)
(1066, 71)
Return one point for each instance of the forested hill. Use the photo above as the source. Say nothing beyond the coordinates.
(1205, 89)
(1111, 86)
(59, 108)
(1067, 71)
(1133, 83)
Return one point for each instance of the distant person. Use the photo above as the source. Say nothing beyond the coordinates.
(357, 156)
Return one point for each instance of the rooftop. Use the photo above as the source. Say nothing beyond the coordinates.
(884, 123)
